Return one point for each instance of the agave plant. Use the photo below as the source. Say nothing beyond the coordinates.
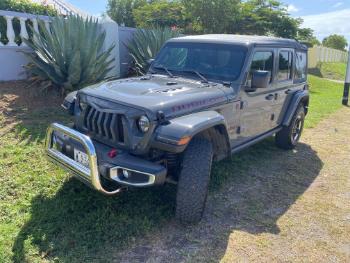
(70, 55)
(146, 44)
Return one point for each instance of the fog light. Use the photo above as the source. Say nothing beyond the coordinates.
(126, 173)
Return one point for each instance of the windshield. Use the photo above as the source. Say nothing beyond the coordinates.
(220, 62)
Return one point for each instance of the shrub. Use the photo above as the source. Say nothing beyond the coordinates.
(71, 55)
(146, 44)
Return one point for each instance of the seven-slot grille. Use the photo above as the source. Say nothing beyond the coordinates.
(108, 126)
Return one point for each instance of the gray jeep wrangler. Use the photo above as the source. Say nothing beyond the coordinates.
(203, 99)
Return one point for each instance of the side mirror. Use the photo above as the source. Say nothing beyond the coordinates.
(260, 80)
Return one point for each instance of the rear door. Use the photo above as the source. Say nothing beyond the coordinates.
(283, 84)
(290, 77)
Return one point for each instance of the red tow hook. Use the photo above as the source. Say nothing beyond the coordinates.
(112, 153)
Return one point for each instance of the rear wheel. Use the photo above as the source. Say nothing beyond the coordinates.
(194, 180)
(289, 136)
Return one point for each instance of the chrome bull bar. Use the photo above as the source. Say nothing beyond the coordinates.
(88, 175)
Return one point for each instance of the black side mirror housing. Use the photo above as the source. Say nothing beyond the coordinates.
(260, 80)
(69, 102)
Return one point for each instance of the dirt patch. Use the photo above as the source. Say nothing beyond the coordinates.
(18, 94)
(304, 215)
(18, 100)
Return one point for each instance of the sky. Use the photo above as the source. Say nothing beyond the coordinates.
(325, 17)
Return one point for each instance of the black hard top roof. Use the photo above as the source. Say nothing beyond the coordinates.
(241, 39)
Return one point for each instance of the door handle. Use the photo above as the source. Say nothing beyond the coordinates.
(288, 91)
(270, 97)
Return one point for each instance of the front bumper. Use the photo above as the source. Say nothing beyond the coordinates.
(142, 172)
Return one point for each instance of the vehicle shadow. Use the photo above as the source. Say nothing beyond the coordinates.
(28, 110)
(249, 193)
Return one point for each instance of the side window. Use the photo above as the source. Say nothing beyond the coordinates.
(285, 65)
(300, 66)
(262, 60)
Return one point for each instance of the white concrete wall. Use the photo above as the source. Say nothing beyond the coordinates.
(12, 60)
(112, 32)
(324, 54)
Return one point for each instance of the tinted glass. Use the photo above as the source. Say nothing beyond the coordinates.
(262, 60)
(285, 65)
(220, 62)
(300, 66)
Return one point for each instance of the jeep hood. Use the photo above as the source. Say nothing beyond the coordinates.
(172, 96)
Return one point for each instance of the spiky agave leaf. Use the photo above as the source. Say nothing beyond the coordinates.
(70, 53)
(147, 43)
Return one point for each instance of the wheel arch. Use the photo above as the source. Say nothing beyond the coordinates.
(219, 138)
(299, 98)
(208, 124)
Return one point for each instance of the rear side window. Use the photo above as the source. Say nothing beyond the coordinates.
(262, 60)
(285, 65)
(300, 66)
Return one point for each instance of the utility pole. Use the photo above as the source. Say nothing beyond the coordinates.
(347, 82)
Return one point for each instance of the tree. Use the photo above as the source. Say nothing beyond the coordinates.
(306, 36)
(335, 41)
(211, 16)
(265, 17)
(121, 11)
(162, 14)
(249, 17)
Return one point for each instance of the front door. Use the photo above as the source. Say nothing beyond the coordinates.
(257, 106)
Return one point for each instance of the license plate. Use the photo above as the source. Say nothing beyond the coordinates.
(81, 157)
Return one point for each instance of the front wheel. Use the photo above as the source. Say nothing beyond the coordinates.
(289, 136)
(193, 182)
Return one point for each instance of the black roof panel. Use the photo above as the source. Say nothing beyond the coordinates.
(241, 39)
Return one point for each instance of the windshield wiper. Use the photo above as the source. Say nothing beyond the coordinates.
(204, 79)
(165, 69)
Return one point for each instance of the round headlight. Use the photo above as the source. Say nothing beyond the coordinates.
(144, 124)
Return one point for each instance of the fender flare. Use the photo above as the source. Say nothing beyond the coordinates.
(299, 97)
(168, 136)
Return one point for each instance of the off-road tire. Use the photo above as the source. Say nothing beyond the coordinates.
(193, 182)
(287, 138)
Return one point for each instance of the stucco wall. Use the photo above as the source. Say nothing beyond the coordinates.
(12, 60)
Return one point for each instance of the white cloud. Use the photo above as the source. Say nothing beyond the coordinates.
(325, 24)
(292, 8)
(336, 5)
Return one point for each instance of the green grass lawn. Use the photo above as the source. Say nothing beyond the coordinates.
(325, 98)
(45, 215)
(332, 70)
